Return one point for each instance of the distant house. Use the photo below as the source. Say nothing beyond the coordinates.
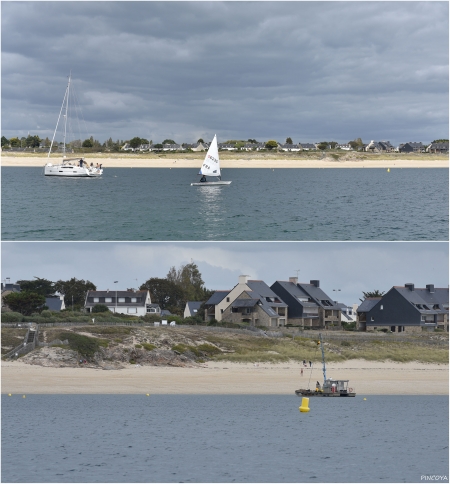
(253, 146)
(290, 147)
(195, 146)
(308, 305)
(250, 301)
(345, 147)
(127, 147)
(438, 148)
(172, 147)
(380, 147)
(192, 308)
(137, 303)
(55, 303)
(307, 146)
(8, 288)
(406, 308)
(411, 147)
(226, 147)
(348, 313)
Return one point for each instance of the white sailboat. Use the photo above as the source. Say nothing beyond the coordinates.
(211, 167)
(69, 167)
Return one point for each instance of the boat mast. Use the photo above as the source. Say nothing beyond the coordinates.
(65, 100)
(323, 359)
(65, 116)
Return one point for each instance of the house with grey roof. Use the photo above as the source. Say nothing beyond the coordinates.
(309, 306)
(250, 301)
(308, 146)
(344, 146)
(136, 303)
(290, 147)
(380, 147)
(55, 303)
(172, 147)
(226, 147)
(192, 309)
(406, 308)
(411, 147)
(438, 148)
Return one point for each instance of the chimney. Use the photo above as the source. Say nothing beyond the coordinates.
(410, 286)
(294, 280)
(107, 290)
(430, 287)
(315, 283)
(243, 279)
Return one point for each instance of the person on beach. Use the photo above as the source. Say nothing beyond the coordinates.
(301, 372)
(310, 364)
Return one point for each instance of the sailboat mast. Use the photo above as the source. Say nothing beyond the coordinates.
(65, 116)
(65, 100)
(323, 359)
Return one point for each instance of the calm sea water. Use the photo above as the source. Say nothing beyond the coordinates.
(179, 438)
(260, 204)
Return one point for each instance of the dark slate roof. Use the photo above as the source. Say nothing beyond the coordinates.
(165, 312)
(138, 294)
(266, 306)
(318, 295)
(307, 145)
(194, 306)
(423, 296)
(245, 303)
(264, 291)
(217, 297)
(368, 304)
(53, 303)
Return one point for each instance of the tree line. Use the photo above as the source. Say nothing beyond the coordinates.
(171, 293)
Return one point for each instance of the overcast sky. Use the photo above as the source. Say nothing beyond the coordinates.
(352, 267)
(312, 71)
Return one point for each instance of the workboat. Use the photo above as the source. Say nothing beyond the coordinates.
(211, 167)
(330, 387)
(69, 167)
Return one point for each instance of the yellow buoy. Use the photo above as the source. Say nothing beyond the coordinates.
(148, 394)
(23, 396)
(365, 398)
(9, 395)
(304, 407)
(388, 170)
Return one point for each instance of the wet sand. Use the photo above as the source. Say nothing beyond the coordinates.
(237, 163)
(366, 378)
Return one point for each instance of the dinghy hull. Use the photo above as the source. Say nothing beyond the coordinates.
(208, 184)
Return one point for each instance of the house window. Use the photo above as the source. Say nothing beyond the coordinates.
(228, 299)
(372, 318)
(195, 310)
(96, 299)
(108, 299)
(132, 310)
(133, 300)
(381, 307)
(121, 299)
(151, 310)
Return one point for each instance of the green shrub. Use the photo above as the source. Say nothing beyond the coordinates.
(84, 345)
(46, 313)
(208, 349)
(148, 346)
(12, 317)
(138, 346)
(345, 343)
(100, 308)
(180, 348)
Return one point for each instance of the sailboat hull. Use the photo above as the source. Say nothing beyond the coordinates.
(70, 171)
(208, 184)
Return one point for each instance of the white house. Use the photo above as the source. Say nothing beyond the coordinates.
(137, 303)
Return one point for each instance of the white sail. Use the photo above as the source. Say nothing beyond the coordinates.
(211, 165)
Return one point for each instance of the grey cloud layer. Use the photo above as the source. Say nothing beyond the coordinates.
(350, 267)
(309, 70)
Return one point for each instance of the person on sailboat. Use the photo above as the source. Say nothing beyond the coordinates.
(81, 162)
(203, 179)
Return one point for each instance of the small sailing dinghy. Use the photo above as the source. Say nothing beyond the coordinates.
(69, 167)
(211, 167)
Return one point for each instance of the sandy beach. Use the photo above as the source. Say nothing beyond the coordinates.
(24, 161)
(366, 377)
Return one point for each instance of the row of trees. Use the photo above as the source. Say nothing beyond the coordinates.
(110, 145)
(171, 293)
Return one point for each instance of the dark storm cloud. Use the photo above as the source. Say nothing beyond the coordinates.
(309, 70)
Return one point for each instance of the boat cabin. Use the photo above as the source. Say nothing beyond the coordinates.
(333, 386)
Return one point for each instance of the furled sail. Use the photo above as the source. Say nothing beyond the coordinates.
(211, 165)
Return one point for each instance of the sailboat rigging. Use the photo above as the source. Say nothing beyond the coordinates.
(69, 167)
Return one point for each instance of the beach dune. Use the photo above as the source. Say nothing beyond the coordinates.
(366, 378)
